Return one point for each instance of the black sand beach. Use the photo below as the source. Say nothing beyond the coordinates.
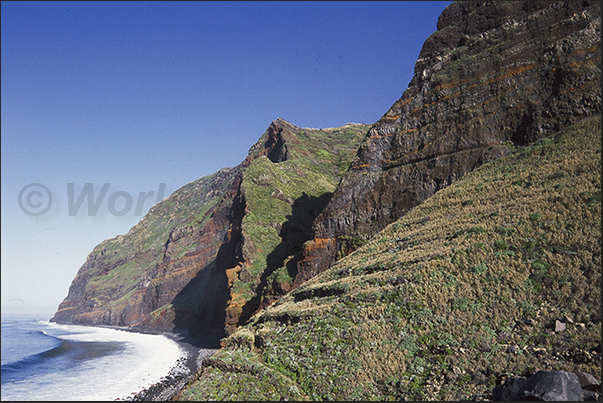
(184, 370)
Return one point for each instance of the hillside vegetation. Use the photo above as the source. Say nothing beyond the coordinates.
(283, 192)
(471, 286)
(115, 268)
(492, 73)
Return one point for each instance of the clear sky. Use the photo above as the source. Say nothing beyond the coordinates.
(139, 94)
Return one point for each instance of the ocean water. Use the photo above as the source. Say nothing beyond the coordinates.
(47, 361)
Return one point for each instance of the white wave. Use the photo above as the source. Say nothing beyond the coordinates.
(144, 360)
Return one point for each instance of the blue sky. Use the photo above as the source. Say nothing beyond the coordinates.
(136, 94)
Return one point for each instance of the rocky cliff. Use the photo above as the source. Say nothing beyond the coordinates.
(139, 279)
(494, 74)
(217, 249)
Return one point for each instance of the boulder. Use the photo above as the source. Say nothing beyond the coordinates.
(548, 386)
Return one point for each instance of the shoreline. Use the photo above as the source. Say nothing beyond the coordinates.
(179, 375)
(184, 370)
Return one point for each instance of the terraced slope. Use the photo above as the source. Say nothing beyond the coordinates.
(469, 287)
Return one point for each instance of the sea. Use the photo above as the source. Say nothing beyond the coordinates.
(48, 361)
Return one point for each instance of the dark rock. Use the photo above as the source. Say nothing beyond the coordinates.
(586, 380)
(545, 386)
(509, 390)
(590, 385)
(276, 148)
(552, 386)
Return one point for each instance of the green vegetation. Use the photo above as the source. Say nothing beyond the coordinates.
(441, 309)
(282, 199)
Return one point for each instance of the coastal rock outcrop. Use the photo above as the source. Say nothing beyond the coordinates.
(493, 76)
(219, 248)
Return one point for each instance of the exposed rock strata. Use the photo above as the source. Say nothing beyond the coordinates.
(494, 75)
(176, 269)
(168, 284)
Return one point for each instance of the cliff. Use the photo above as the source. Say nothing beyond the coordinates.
(217, 249)
(493, 74)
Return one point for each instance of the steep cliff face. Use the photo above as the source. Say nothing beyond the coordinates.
(215, 250)
(494, 74)
(134, 279)
(285, 188)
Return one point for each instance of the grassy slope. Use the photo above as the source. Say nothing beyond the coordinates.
(448, 300)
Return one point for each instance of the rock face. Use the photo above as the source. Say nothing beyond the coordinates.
(200, 261)
(494, 74)
(449, 300)
(152, 277)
